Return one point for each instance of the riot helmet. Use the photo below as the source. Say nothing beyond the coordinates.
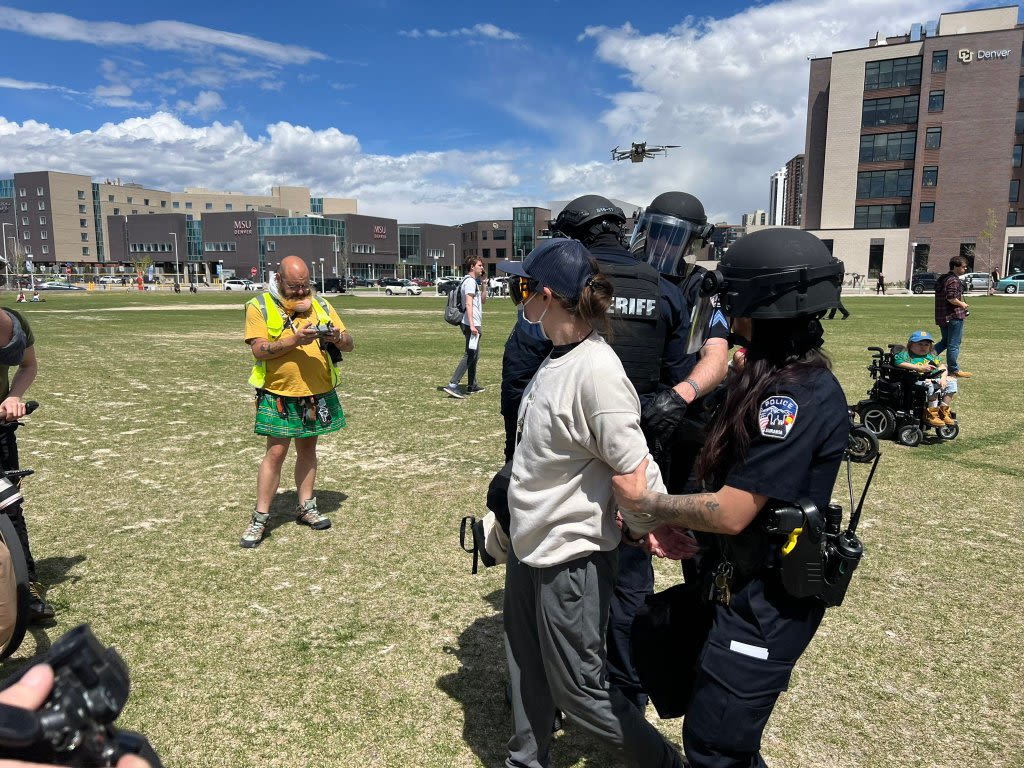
(775, 274)
(666, 231)
(588, 217)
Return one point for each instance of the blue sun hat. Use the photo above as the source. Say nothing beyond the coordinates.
(917, 336)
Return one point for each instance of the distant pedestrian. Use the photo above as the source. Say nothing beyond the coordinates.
(992, 284)
(474, 294)
(880, 286)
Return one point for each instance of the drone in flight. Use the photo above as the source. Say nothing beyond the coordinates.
(639, 150)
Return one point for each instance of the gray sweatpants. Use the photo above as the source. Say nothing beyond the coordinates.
(555, 625)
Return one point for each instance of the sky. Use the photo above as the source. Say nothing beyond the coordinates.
(426, 112)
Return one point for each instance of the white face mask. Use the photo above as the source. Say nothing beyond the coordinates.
(537, 325)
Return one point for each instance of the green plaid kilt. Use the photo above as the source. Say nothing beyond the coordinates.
(298, 419)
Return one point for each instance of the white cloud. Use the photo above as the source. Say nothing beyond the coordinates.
(490, 31)
(163, 152)
(731, 91)
(156, 35)
(25, 85)
(206, 103)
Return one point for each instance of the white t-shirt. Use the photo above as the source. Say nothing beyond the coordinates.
(579, 423)
(471, 300)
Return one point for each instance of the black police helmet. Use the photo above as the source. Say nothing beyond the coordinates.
(679, 204)
(580, 217)
(775, 274)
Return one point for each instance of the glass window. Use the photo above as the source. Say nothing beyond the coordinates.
(927, 213)
(1017, 151)
(85, 237)
(81, 209)
(82, 223)
(1020, 123)
(936, 101)
(39, 191)
(500, 234)
(145, 201)
(1011, 219)
(21, 192)
(175, 204)
(1020, 88)
(110, 198)
(209, 206)
(898, 109)
(188, 206)
(939, 61)
(930, 176)
(1014, 190)
(85, 250)
(875, 255)
(163, 203)
(892, 73)
(26, 235)
(881, 216)
(81, 194)
(874, 184)
(888, 146)
(117, 211)
(42, 205)
(933, 138)
(24, 221)
(500, 253)
(42, 219)
(483, 236)
(46, 249)
(44, 235)
(228, 207)
(129, 201)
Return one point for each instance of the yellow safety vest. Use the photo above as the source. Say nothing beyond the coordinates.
(275, 327)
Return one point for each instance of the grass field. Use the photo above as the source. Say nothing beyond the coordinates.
(371, 644)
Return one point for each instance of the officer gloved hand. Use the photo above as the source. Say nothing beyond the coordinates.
(660, 418)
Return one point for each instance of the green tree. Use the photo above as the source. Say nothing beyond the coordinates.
(987, 238)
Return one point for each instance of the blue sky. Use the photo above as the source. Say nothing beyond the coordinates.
(441, 112)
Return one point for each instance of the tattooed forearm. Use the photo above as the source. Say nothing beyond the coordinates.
(698, 511)
(265, 349)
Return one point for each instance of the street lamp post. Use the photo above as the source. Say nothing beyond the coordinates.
(3, 229)
(453, 258)
(322, 275)
(175, 236)
(336, 258)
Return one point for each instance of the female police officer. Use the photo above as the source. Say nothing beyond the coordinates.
(777, 440)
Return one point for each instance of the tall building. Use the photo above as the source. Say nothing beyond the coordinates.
(793, 199)
(755, 219)
(914, 147)
(776, 195)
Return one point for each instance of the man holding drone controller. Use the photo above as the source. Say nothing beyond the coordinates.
(296, 339)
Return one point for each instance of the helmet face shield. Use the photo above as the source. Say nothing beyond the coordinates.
(664, 243)
(520, 288)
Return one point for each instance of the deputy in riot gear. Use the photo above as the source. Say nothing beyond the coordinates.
(666, 236)
(772, 456)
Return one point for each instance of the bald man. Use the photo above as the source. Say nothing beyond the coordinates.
(296, 339)
(18, 350)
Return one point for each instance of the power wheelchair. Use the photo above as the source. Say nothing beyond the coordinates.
(896, 402)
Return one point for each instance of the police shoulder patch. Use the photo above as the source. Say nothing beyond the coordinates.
(777, 416)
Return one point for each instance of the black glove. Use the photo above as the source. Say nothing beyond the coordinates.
(660, 418)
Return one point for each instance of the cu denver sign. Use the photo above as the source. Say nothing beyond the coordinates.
(966, 55)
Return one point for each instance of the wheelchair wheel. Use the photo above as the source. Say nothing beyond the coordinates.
(862, 445)
(910, 436)
(881, 421)
(949, 433)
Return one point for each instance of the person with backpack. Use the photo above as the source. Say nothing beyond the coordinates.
(472, 293)
(950, 313)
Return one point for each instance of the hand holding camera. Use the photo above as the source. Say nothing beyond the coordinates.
(64, 716)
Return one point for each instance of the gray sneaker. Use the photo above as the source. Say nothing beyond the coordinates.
(309, 515)
(254, 533)
(453, 391)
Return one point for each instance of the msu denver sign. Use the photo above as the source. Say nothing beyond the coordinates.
(966, 56)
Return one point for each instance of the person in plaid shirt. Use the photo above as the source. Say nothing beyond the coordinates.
(950, 313)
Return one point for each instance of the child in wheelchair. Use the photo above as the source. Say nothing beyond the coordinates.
(911, 392)
(918, 356)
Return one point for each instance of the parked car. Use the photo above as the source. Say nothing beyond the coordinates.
(394, 285)
(446, 284)
(365, 282)
(1011, 284)
(110, 280)
(923, 281)
(976, 281)
(423, 282)
(235, 284)
(58, 285)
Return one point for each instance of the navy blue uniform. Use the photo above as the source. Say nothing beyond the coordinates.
(755, 641)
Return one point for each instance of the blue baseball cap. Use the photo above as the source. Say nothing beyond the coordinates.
(920, 336)
(563, 265)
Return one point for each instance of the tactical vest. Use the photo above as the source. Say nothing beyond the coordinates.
(275, 327)
(638, 328)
